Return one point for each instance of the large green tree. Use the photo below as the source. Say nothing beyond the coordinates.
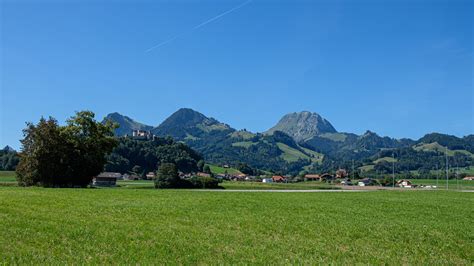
(167, 176)
(64, 156)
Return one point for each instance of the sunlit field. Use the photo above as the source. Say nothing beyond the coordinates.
(57, 226)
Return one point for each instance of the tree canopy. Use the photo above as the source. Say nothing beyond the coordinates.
(64, 156)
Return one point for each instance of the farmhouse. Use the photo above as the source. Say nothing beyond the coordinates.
(201, 174)
(239, 177)
(469, 178)
(278, 178)
(106, 179)
(405, 183)
(150, 175)
(327, 177)
(312, 177)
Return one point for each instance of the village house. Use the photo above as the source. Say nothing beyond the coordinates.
(239, 177)
(469, 178)
(201, 174)
(312, 177)
(106, 179)
(327, 177)
(405, 183)
(150, 176)
(278, 179)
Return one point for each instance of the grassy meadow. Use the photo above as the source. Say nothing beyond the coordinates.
(221, 170)
(58, 226)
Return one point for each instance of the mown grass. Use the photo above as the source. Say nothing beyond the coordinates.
(232, 185)
(7, 177)
(97, 226)
(276, 186)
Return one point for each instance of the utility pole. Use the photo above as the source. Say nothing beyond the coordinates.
(457, 175)
(393, 169)
(447, 167)
(437, 175)
(353, 174)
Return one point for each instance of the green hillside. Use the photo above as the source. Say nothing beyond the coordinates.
(310, 143)
(291, 154)
(243, 134)
(435, 146)
(387, 159)
(338, 137)
(215, 169)
(244, 144)
(367, 168)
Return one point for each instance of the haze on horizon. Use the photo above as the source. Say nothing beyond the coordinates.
(398, 68)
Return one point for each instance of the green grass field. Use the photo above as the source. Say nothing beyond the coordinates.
(124, 226)
(143, 184)
(7, 176)
(441, 183)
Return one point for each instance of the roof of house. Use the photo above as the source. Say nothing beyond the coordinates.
(403, 180)
(312, 176)
(326, 175)
(278, 177)
(203, 174)
(109, 175)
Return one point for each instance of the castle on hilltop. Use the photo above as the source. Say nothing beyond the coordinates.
(142, 135)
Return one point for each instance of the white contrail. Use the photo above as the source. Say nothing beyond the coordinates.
(221, 15)
(198, 26)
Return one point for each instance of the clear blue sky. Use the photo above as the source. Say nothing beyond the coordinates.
(399, 68)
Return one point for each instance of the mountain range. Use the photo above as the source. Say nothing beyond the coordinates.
(303, 141)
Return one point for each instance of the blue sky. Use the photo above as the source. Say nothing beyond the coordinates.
(399, 68)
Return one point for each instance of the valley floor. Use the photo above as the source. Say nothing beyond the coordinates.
(58, 226)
